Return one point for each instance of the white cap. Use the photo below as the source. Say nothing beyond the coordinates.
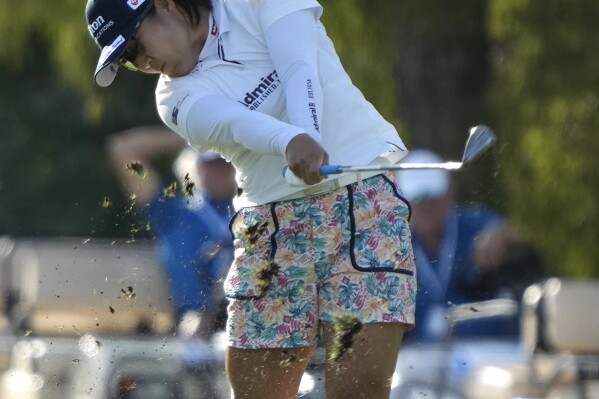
(187, 162)
(419, 184)
(209, 156)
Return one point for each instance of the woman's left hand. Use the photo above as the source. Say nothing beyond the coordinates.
(305, 156)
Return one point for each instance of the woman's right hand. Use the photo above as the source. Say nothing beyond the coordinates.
(305, 156)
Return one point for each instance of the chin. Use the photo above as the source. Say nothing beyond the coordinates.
(180, 70)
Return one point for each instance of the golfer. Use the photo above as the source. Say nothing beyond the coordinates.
(259, 82)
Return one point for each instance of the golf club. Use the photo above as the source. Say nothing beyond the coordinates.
(480, 140)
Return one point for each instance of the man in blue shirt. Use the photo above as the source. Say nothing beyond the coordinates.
(191, 231)
(461, 252)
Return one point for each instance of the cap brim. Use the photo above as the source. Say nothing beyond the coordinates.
(108, 64)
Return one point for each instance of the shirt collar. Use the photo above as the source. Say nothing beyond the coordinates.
(218, 23)
(219, 16)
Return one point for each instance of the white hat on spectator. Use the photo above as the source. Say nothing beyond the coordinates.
(186, 163)
(208, 156)
(420, 184)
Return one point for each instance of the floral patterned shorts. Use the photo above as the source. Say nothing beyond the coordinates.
(301, 261)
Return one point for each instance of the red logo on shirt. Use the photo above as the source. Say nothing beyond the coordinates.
(214, 31)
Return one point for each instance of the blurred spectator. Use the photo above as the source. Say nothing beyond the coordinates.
(195, 246)
(463, 253)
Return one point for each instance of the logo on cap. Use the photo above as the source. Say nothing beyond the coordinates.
(134, 4)
(98, 27)
(108, 50)
(94, 26)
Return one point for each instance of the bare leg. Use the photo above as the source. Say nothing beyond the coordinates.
(266, 373)
(364, 371)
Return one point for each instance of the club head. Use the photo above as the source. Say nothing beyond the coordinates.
(480, 141)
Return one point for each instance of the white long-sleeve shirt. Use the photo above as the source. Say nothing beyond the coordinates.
(268, 72)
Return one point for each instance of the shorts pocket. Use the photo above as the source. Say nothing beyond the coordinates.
(253, 268)
(380, 233)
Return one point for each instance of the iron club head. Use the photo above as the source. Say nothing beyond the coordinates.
(480, 140)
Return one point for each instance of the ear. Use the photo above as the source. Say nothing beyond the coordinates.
(165, 5)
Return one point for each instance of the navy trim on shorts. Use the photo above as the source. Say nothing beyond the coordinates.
(273, 241)
(352, 240)
(271, 256)
(401, 197)
(230, 225)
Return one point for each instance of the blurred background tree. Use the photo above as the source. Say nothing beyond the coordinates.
(525, 67)
(545, 98)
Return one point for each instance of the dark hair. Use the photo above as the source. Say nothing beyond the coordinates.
(194, 8)
(191, 8)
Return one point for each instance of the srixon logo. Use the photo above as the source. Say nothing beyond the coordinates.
(261, 92)
(94, 26)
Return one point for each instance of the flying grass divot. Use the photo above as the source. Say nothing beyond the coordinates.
(136, 168)
(345, 329)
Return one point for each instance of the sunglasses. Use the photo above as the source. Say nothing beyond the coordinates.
(131, 52)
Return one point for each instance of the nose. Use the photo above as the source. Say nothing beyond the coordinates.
(144, 63)
(151, 65)
(147, 63)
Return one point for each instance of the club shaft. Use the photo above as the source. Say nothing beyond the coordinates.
(336, 169)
